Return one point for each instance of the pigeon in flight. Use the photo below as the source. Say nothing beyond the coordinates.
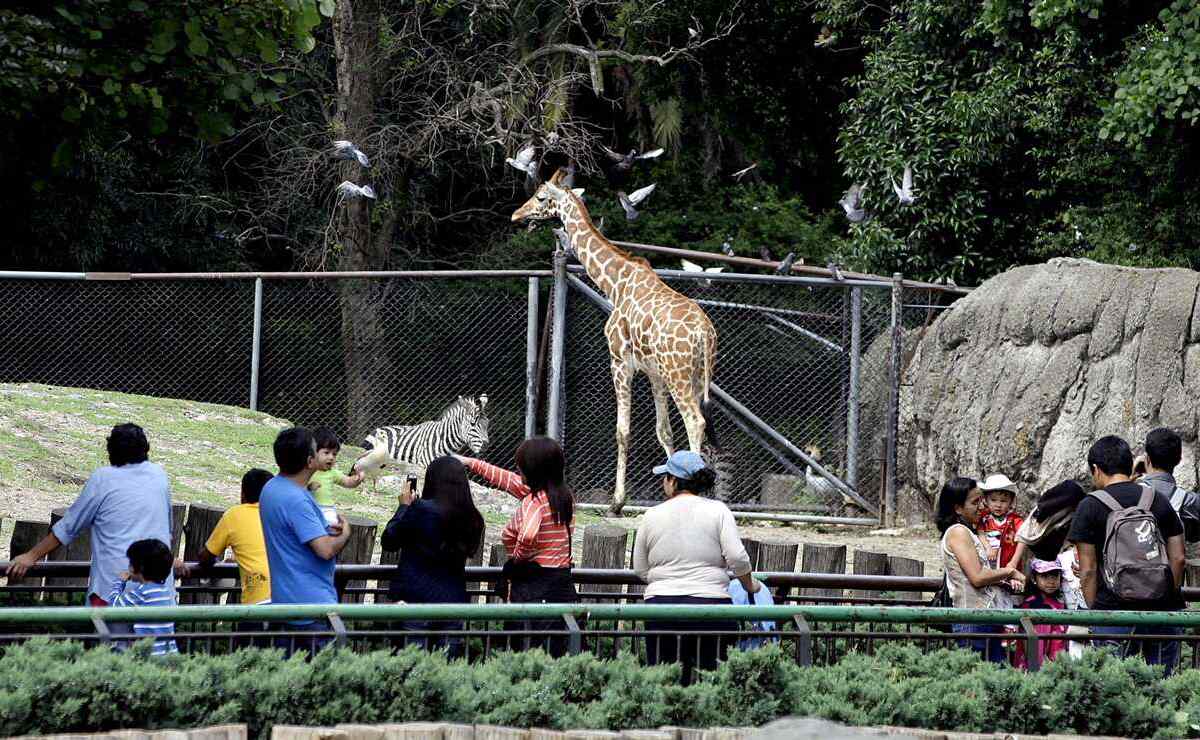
(525, 162)
(346, 150)
(905, 190)
(633, 199)
(348, 189)
(785, 267)
(826, 37)
(851, 202)
(690, 266)
(744, 171)
(624, 162)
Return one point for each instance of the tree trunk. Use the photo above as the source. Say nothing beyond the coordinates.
(368, 367)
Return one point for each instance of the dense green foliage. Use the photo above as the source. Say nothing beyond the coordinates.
(48, 687)
(149, 136)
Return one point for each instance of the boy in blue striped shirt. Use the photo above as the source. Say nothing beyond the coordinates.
(145, 584)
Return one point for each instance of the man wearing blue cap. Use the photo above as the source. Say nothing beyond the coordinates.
(686, 548)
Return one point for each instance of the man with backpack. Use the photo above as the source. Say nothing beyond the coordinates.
(1164, 450)
(1130, 547)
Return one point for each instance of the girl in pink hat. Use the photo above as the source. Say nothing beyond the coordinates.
(1045, 589)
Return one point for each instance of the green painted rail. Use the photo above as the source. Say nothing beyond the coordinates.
(602, 612)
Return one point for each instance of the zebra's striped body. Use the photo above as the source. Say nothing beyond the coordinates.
(462, 426)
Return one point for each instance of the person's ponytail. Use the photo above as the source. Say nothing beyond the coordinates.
(542, 463)
(700, 483)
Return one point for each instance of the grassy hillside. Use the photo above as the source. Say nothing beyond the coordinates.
(51, 438)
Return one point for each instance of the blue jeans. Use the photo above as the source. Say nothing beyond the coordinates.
(1154, 652)
(989, 648)
(299, 644)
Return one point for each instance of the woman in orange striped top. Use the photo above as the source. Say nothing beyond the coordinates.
(538, 537)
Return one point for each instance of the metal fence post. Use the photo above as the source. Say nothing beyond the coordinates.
(256, 346)
(531, 352)
(852, 394)
(893, 409)
(557, 339)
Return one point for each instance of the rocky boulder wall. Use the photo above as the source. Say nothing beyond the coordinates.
(1023, 374)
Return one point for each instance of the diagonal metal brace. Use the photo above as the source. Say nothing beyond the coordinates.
(340, 638)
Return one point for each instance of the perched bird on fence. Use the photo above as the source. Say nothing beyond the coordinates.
(525, 161)
(785, 267)
(635, 198)
(727, 248)
(744, 171)
(343, 149)
(851, 203)
(904, 191)
(372, 463)
(348, 189)
(765, 254)
(690, 266)
(835, 271)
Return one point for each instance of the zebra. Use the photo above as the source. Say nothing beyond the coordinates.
(463, 425)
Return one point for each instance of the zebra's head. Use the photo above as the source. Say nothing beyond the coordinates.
(473, 422)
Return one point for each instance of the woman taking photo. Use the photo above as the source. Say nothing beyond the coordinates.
(538, 536)
(685, 550)
(436, 535)
(970, 582)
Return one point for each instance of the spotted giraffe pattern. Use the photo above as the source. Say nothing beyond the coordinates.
(652, 328)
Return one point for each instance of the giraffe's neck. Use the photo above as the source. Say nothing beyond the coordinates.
(602, 260)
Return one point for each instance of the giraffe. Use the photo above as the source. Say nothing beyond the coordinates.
(652, 328)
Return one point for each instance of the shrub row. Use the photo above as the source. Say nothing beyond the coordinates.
(59, 687)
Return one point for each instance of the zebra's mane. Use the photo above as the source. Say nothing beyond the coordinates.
(463, 402)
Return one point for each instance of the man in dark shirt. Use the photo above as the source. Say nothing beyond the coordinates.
(1110, 462)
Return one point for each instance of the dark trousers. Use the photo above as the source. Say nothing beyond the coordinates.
(990, 649)
(693, 652)
(1154, 652)
(454, 646)
(300, 643)
(538, 585)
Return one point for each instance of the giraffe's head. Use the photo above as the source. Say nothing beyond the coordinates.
(548, 202)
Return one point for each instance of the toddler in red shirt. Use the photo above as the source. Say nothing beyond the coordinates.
(998, 527)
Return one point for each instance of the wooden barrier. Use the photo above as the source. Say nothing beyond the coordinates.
(901, 566)
(823, 559)
(25, 536)
(359, 549)
(604, 547)
(201, 521)
(178, 517)
(497, 556)
(753, 549)
(867, 563)
(778, 557)
(79, 549)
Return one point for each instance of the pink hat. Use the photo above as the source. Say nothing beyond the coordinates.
(1045, 566)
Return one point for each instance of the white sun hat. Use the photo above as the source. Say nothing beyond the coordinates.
(998, 482)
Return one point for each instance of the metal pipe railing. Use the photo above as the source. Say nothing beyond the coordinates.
(599, 612)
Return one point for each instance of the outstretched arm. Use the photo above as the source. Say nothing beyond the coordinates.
(505, 480)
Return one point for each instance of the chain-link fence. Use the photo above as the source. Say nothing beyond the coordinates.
(804, 372)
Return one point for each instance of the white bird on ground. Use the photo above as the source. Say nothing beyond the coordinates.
(525, 162)
(348, 189)
(372, 463)
(690, 266)
(851, 203)
(343, 149)
(633, 199)
(904, 191)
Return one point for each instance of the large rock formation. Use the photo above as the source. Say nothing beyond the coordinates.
(1024, 373)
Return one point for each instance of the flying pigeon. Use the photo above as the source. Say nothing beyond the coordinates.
(826, 37)
(744, 171)
(692, 33)
(785, 267)
(690, 266)
(348, 189)
(727, 248)
(525, 162)
(346, 150)
(905, 191)
(851, 202)
(636, 197)
(625, 162)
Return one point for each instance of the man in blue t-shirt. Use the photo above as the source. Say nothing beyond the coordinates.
(301, 548)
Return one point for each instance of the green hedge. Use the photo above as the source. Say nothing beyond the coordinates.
(57, 687)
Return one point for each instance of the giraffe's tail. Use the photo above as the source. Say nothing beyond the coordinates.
(706, 407)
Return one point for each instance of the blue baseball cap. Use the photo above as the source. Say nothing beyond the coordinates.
(683, 464)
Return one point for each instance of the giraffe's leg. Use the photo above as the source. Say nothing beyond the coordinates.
(689, 408)
(622, 376)
(662, 415)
